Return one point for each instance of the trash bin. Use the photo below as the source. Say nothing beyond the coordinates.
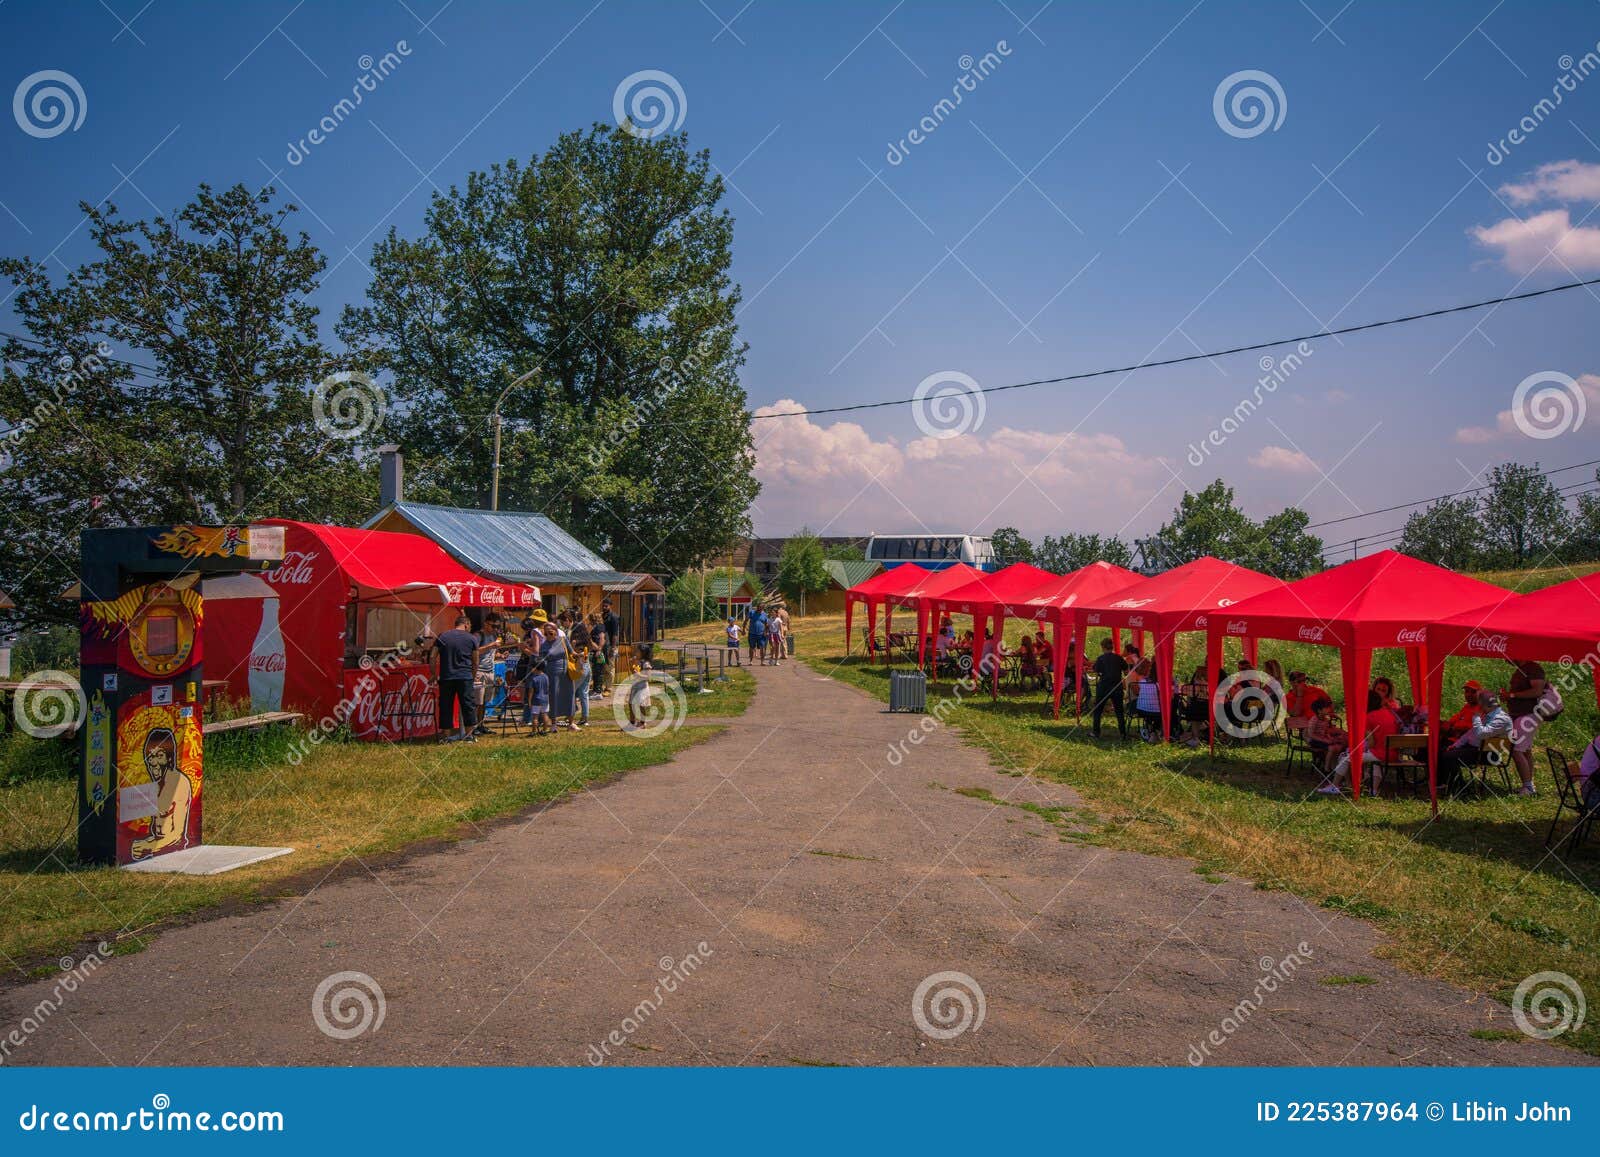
(908, 691)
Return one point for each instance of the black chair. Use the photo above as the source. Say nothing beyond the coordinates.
(1405, 761)
(1296, 751)
(1569, 797)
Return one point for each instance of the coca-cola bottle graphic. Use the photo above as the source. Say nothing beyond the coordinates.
(267, 661)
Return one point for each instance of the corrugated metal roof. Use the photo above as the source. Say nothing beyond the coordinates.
(848, 572)
(719, 586)
(509, 544)
(647, 583)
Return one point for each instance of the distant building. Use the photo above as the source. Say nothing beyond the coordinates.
(760, 556)
(842, 575)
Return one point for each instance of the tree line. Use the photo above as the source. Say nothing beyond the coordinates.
(182, 374)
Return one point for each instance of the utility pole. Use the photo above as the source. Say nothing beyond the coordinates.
(494, 480)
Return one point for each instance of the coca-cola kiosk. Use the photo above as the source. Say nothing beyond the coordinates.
(142, 622)
(335, 635)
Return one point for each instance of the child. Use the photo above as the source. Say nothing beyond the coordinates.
(537, 712)
(639, 694)
(733, 641)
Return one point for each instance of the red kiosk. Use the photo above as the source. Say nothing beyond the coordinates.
(334, 641)
(1560, 622)
(1386, 599)
(1181, 599)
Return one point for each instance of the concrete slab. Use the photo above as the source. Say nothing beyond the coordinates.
(207, 860)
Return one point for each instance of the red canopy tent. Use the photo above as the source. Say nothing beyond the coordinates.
(1560, 622)
(984, 597)
(1053, 602)
(883, 589)
(1181, 599)
(1384, 600)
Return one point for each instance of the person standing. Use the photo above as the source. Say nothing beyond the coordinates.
(554, 653)
(775, 637)
(456, 649)
(758, 634)
(1522, 700)
(1109, 671)
(733, 641)
(483, 683)
(783, 618)
(613, 629)
(599, 653)
(578, 646)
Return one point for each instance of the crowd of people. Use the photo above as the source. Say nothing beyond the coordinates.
(1489, 729)
(765, 631)
(550, 667)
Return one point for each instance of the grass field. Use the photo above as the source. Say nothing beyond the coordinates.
(344, 804)
(1472, 897)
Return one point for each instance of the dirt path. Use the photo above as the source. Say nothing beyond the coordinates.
(776, 896)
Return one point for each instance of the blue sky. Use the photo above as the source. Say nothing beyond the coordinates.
(1081, 207)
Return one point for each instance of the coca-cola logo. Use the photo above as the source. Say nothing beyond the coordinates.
(1481, 644)
(1201, 622)
(1238, 627)
(527, 596)
(1130, 604)
(1136, 620)
(1091, 619)
(1311, 634)
(1411, 635)
(272, 664)
(297, 569)
(493, 595)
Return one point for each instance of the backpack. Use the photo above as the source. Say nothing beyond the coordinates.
(1550, 705)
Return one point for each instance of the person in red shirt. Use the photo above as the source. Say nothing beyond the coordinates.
(1303, 694)
(1461, 722)
(1382, 722)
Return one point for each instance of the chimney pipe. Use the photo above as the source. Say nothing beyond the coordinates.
(391, 476)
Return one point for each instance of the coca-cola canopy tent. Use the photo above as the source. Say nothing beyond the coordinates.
(1560, 622)
(1185, 598)
(1053, 600)
(380, 563)
(984, 597)
(893, 583)
(1387, 599)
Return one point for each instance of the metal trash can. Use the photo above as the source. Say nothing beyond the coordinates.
(908, 691)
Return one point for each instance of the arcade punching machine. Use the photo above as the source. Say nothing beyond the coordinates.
(141, 615)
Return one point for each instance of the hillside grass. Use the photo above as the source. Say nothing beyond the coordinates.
(1472, 897)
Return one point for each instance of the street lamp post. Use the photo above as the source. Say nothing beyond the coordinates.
(494, 481)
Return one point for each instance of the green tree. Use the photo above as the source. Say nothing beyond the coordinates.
(170, 379)
(1448, 533)
(1524, 516)
(845, 552)
(800, 567)
(1010, 546)
(1584, 543)
(603, 268)
(1209, 522)
(1072, 552)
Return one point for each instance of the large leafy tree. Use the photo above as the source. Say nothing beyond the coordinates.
(1525, 518)
(1448, 533)
(800, 567)
(1010, 546)
(1071, 552)
(1210, 522)
(600, 270)
(170, 379)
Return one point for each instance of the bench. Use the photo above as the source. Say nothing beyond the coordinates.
(250, 722)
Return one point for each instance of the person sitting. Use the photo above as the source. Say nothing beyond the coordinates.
(1588, 783)
(1324, 736)
(1300, 704)
(1382, 722)
(1490, 721)
(1046, 655)
(1461, 722)
(1385, 689)
(1028, 661)
(1146, 694)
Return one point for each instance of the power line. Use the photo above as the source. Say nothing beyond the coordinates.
(1377, 537)
(1239, 349)
(1442, 497)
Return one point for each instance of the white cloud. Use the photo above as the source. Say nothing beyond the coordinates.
(1522, 244)
(1567, 181)
(1284, 459)
(836, 478)
(1505, 422)
(1336, 397)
